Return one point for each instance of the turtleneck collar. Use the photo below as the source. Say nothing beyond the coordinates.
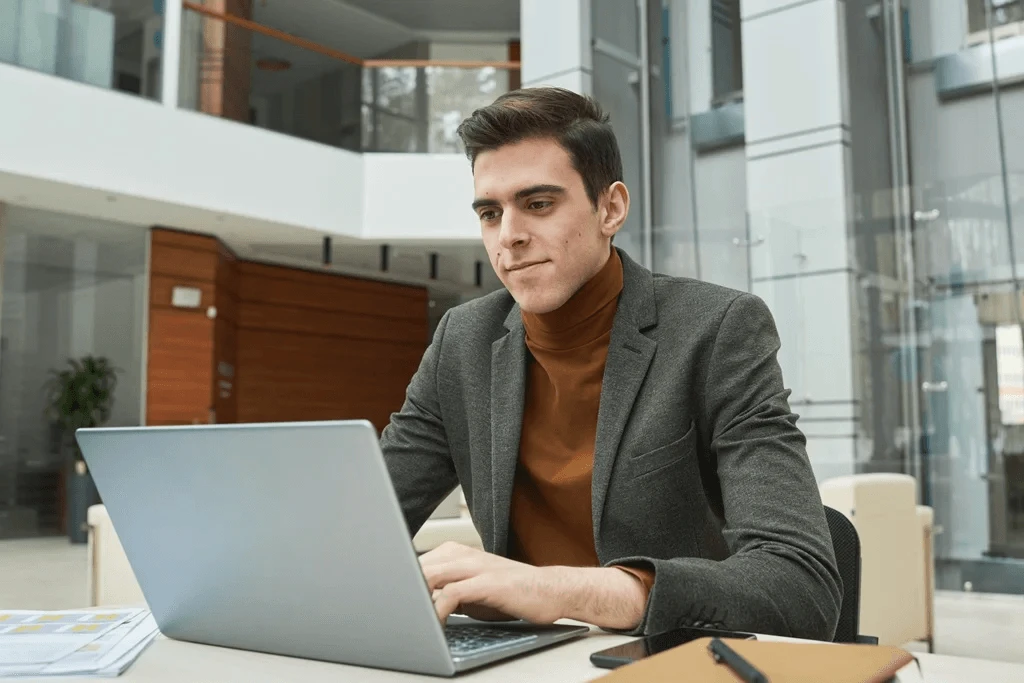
(586, 316)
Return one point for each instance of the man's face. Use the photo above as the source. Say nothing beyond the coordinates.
(543, 235)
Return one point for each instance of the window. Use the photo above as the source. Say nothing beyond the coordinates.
(392, 99)
(726, 51)
(1010, 369)
(1007, 19)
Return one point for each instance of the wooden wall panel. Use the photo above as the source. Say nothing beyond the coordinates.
(303, 289)
(301, 377)
(225, 79)
(515, 76)
(316, 346)
(311, 321)
(179, 371)
(285, 344)
(179, 365)
(196, 263)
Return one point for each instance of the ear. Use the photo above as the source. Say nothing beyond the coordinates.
(614, 208)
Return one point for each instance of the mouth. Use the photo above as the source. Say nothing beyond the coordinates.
(524, 266)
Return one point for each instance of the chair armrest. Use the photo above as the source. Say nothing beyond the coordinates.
(111, 579)
(926, 518)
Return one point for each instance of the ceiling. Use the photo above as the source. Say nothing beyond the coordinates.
(118, 223)
(334, 24)
(367, 29)
(330, 23)
(448, 15)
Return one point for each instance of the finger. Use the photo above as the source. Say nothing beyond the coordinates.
(478, 590)
(445, 552)
(439, 575)
(444, 604)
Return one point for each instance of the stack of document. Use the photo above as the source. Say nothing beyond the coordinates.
(73, 643)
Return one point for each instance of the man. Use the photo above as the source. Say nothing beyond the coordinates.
(623, 439)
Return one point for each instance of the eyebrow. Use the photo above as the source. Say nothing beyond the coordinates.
(521, 194)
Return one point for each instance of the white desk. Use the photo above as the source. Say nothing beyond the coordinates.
(167, 661)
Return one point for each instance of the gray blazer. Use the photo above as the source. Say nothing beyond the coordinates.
(700, 472)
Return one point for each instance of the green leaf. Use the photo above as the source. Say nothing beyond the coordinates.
(81, 395)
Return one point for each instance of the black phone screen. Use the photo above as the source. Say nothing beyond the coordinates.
(652, 645)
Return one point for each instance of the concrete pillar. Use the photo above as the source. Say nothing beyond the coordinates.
(800, 203)
(170, 64)
(85, 274)
(556, 44)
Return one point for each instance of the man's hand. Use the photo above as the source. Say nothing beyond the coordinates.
(486, 586)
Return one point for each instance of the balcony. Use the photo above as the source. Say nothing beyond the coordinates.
(245, 71)
(244, 131)
(117, 46)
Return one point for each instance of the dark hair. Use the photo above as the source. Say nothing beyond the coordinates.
(576, 122)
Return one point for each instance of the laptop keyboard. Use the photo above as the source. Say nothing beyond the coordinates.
(472, 640)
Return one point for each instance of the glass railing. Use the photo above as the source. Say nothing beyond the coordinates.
(116, 46)
(240, 70)
(418, 108)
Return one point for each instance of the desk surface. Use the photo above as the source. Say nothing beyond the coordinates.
(168, 660)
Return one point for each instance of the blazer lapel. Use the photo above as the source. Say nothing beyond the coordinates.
(508, 392)
(629, 357)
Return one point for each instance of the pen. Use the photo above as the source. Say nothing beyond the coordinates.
(741, 667)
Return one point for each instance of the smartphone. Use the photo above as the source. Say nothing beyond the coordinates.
(634, 650)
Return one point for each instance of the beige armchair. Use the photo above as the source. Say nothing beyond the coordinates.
(111, 579)
(897, 564)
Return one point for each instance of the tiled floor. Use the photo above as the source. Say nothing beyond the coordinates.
(52, 574)
(43, 573)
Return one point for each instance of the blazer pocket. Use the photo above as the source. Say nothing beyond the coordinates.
(663, 456)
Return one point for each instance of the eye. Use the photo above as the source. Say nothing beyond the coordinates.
(488, 215)
(539, 204)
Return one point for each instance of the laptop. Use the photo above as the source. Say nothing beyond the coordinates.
(286, 539)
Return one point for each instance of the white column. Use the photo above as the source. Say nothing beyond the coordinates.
(170, 64)
(84, 287)
(799, 198)
(556, 44)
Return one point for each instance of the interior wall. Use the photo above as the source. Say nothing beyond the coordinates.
(874, 322)
(314, 346)
(284, 345)
(226, 69)
(72, 287)
(955, 165)
(721, 178)
(179, 375)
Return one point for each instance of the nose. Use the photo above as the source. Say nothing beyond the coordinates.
(513, 233)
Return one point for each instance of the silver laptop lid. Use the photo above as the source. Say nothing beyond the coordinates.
(281, 538)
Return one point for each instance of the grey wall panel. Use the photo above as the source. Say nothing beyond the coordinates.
(39, 33)
(722, 218)
(86, 51)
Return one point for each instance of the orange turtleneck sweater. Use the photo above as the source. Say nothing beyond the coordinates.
(550, 519)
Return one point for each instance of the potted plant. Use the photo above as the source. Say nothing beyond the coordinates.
(79, 396)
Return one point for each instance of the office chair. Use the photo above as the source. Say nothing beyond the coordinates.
(846, 546)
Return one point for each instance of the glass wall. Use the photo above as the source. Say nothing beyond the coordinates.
(312, 91)
(112, 44)
(418, 109)
(617, 68)
(897, 281)
(72, 287)
(967, 168)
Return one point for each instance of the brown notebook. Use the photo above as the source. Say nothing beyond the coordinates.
(781, 662)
